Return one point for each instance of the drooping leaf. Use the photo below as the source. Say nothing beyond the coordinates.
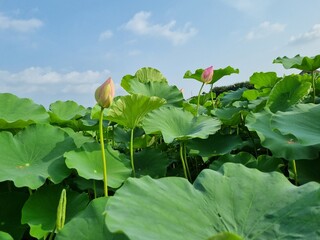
(171, 94)
(88, 163)
(152, 162)
(263, 163)
(230, 97)
(175, 123)
(129, 110)
(214, 145)
(13, 112)
(33, 155)
(143, 75)
(237, 200)
(287, 92)
(10, 213)
(217, 75)
(40, 210)
(299, 62)
(89, 224)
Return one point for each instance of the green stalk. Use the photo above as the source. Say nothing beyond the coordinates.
(314, 86)
(295, 172)
(131, 153)
(211, 95)
(199, 97)
(186, 160)
(183, 162)
(104, 160)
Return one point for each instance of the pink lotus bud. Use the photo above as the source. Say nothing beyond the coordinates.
(105, 93)
(207, 75)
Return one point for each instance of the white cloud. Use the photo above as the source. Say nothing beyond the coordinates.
(133, 53)
(141, 25)
(20, 25)
(105, 35)
(309, 36)
(264, 30)
(36, 79)
(250, 7)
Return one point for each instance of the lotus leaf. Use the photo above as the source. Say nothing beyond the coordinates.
(299, 62)
(245, 202)
(130, 110)
(13, 112)
(40, 210)
(33, 155)
(89, 224)
(143, 75)
(171, 94)
(283, 145)
(218, 74)
(175, 123)
(87, 161)
(287, 92)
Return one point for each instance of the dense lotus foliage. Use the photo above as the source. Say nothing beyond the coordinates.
(241, 164)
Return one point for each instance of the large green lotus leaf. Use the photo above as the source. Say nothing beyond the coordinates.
(281, 145)
(5, 236)
(218, 73)
(263, 163)
(171, 94)
(33, 155)
(143, 75)
(236, 199)
(13, 112)
(10, 213)
(152, 162)
(217, 144)
(287, 92)
(40, 210)
(175, 123)
(129, 110)
(300, 121)
(66, 113)
(89, 224)
(264, 79)
(87, 160)
(299, 62)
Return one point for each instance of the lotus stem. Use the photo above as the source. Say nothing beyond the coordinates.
(131, 153)
(295, 172)
(314, 86)
(211, 95)
(183, 162)
(186, 160)
(198, 103)
(104, 160)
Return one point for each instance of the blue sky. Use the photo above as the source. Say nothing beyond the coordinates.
(63, 50)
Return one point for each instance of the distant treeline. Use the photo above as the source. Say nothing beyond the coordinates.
(233, 87)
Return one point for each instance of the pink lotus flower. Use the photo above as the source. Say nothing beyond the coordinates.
(105, 93)
(207, 74)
